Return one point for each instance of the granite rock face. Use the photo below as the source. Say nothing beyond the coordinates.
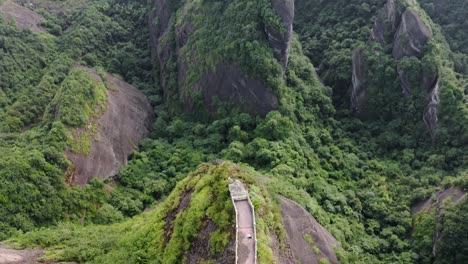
(359, 84)
(22, 16)
(411, 36)
(409, 41)
(120, 128)
(406, 34)
(224, 82)
(298, 223)
(161, 49)
(229, 84)
(280, 41)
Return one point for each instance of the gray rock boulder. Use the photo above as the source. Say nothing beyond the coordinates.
(21, 16)
(280, 40)
(359, 84)
(120, 128)
(411, 36)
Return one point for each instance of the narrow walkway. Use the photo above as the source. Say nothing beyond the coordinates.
(246, 238)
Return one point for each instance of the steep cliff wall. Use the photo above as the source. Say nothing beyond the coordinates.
(280, 40)
(399, 29)
(411, 36)
(204, 60)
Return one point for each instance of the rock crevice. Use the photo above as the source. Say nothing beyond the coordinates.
(359, 83)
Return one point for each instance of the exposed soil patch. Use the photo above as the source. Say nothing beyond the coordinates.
(185, 199)
(310, 241)
(23, 17)
(122, 126)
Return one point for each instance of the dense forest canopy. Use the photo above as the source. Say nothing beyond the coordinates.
(359, 175)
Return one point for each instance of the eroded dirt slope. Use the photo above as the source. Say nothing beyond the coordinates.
(120, 129)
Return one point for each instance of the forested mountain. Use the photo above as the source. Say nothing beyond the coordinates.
(123, 122)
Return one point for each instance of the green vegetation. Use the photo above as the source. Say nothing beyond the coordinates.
(316, 250)
(308, 238)
(44, 98)
(329, 31)
(423, 234)
(165, 234)
(452, 248)
(451, 16)
(358, 178)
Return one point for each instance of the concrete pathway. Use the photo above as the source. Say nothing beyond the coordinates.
(246, 248)
(246, 245)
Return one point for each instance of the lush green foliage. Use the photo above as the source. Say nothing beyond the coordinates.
(44, 97)
(165, 234)
(329, 31)
(451, 16)
(453, 246)
(357, 178)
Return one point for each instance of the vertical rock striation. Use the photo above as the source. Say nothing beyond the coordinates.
(411, 36)
(386, 23)
(430, 113)
(405, 33)
(280, 40)
(359, 85)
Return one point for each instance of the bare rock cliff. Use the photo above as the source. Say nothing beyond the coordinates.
(120, 128)
(406, 34)
(411, 36)
(225, 82)
(22, 16)
(307, 240)
(430, 113)
(386, 23)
